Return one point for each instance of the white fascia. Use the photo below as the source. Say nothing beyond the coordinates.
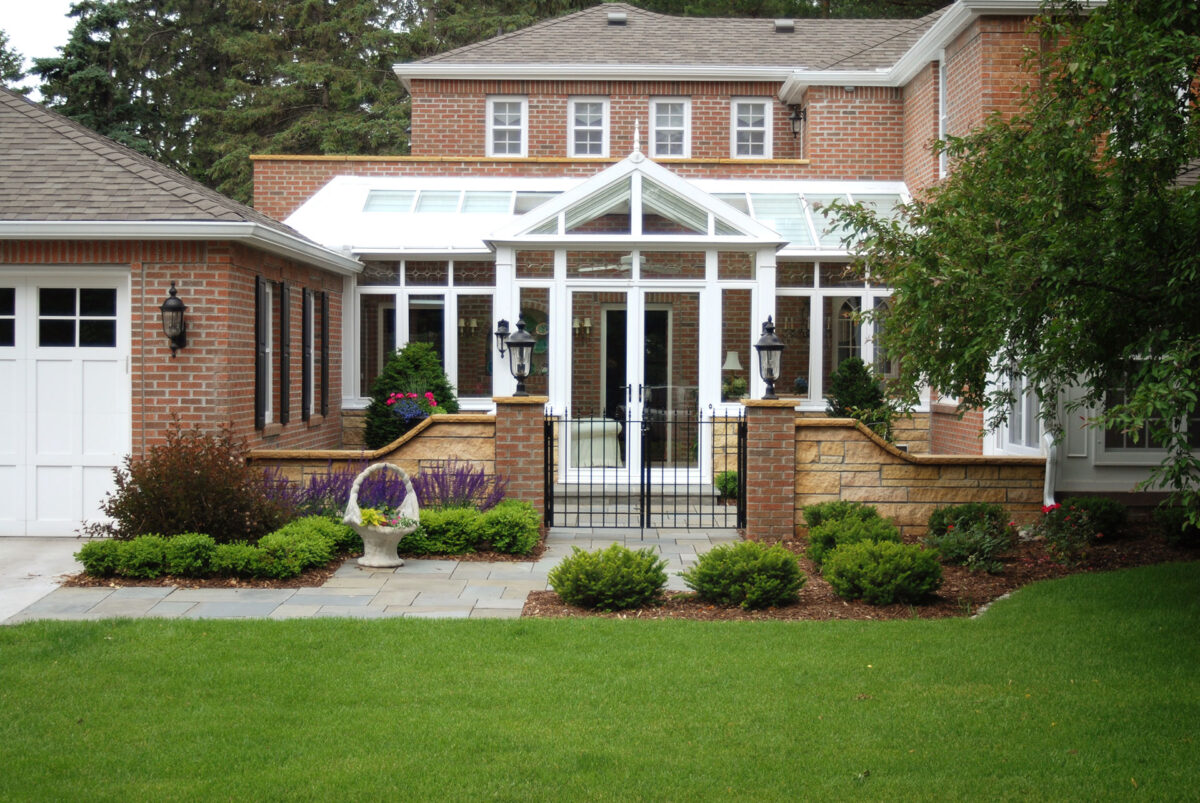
(252, 234)
(589, 72)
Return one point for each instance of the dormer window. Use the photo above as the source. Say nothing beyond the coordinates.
(750, 129)
(508, 119)
(587, 127)
(670, 127)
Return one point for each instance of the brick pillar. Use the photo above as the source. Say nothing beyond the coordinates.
(520, 447)
(770, 469)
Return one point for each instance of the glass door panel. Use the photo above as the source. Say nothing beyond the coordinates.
(669, 358)
(597, 437)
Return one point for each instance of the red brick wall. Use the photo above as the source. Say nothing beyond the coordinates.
(950, 434)
(854, 133)
(211, 381)
(920, 129)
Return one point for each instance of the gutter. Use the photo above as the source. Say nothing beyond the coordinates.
(254, 234)
(589, 72)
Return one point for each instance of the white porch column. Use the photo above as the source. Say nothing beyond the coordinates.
(763, 305)
(504, 307)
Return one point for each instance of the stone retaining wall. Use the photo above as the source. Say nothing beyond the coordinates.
(840, 458)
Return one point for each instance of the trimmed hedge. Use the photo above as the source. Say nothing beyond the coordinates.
(614, 579)
(818, 514)
(746, 574)
(835, 533)
(883, 572)
(511, 527)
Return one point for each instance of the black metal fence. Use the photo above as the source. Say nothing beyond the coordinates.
(688, 470)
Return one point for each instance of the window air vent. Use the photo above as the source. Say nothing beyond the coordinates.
(617, 18)
(785, 26)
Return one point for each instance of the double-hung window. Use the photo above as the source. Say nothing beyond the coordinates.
(670, 127)
(587, 127)
(750, 128)
(508, 126)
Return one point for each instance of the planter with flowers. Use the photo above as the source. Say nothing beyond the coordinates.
(382, 528)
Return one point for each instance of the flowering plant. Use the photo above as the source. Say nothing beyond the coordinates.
(382, 517)
(1067, 531)
(412, 407)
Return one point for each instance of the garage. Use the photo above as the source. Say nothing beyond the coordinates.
(64, 396)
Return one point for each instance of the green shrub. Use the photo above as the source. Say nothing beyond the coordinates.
(102, 557)
(284, 554)
(727, 484)
(976, 544)
(961, 515)
(190, 554)
(832, 534)
(747, 574)
(614, 579)
(883, 572)
(1071, 528)
(340, 537)
(196, 482)
(855, 392)
(450, 531)
(822, 512)
(511, 526)
(415, 368)
(144, 557)
(1107, 516)
(238, 559)
(1172, 521)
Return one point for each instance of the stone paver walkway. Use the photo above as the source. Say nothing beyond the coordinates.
(448, 589)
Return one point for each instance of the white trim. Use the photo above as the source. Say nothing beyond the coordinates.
(523, 126)
(653, 128)
(256, 234)
(589, 72)
(768, 106)
(572, 130)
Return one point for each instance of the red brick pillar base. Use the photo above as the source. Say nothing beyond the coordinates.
(520, 448)
(770, 469)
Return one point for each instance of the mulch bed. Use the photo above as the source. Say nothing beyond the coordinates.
(963, 593)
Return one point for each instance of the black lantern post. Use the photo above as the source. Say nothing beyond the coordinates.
(501, 335)
(770, 351)
(520, 355)
(173, 322)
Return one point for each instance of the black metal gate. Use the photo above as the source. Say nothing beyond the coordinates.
(589, 483)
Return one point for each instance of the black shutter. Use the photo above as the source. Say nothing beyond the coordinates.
(306, 354)
(324, 354)
(285, 354)
(262, 321)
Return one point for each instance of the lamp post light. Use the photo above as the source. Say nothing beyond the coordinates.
(173, 322)
(520, 355)
(501, 335)
(770, 351)
(796, 120)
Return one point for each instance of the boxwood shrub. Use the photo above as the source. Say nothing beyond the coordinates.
(144, 557)
(818, 514)
(190, 555)
(613, 579)
(511, 527)
(746, 574)
(834, 533)
(883, 572)
(101, 557)
(237, 559)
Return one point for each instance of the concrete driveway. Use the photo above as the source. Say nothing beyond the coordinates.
(31, 568)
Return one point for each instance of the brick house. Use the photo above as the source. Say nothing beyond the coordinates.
(92, 237)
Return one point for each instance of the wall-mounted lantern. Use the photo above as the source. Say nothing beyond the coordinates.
(174, 323)
(797, 118)
(501, 335)
(520, 355)
(770, 352)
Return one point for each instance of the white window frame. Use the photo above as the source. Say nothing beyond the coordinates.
(522, 127)
(655, 128)
(734, 129)
(572, 129)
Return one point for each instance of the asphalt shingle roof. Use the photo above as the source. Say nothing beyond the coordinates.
(54, 169)
(585, 37)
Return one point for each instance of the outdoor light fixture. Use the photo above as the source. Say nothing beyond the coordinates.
(173, 323)
(587, 326)
(520, 355)
(581, 325)
(732, 363)
(463, 325)
(501, 335)
(797, 119)
(770, 350)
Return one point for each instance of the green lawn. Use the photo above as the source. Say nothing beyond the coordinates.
(1085, 688)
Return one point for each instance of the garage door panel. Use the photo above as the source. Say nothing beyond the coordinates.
(55, 405)
(12, 499)
(97, 484)
(104, 411)
(12, 412)
(56, 490)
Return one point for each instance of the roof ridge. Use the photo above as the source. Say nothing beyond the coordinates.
(538, 26)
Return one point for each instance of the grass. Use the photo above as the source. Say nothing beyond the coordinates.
(1083, 688)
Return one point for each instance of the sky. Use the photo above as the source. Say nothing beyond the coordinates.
(36, 27)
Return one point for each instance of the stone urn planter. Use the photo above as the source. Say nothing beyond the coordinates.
(380, 542)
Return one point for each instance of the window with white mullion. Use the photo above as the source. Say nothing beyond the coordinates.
(670, 123)
(507, 126)
(588, 124)
(751, 129)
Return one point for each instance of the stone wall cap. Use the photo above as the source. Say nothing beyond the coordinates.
(770, 403)
(444, 419)
(921, 459)
(542, 400)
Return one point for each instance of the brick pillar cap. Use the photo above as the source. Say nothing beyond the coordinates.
(773, 403)
(542, 400)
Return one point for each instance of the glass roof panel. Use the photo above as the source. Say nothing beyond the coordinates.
(613, 198)
(549, 227)
(477, 202)
(884, 205)
(438, 201)
(735, 199)
(785, 214)
(661, 201)
(817, 203)
(527, 201)
(389, 201)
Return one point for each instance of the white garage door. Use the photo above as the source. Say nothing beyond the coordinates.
(64, 398)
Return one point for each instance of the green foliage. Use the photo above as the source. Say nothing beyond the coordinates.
(197, 482)
(1107, 516)
(237, 559)
(747, 574)
(511, 526)
(190, 554)
(1060, 248)
(727, 484)
(341, 537)
(12, 69)
(941, 519)
(883, 572)
(835, 533)
(976, 543)
(837, 510)
(416, 369)
(852, 386)
(1072, 527)
(101, 558)
(144, 557)
(287, 554)
(449, 531)
(614, 579)
(1173, 522)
